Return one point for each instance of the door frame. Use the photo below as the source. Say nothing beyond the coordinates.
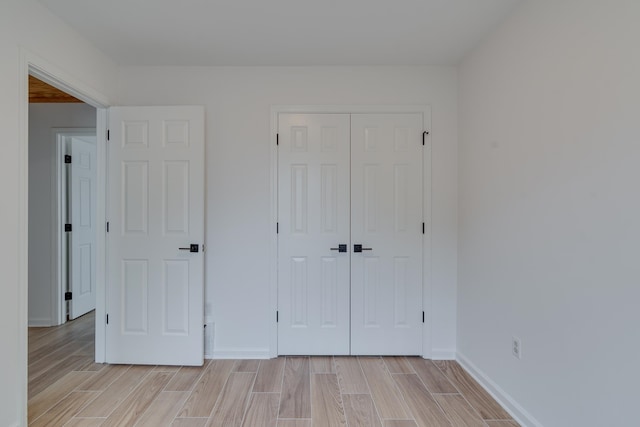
(59, 194)
(33, 64)
(425, 110)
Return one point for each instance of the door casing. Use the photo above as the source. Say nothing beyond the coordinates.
(425, 110)
(32, 64)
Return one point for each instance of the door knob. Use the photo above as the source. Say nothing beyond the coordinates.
(192, 248)
(340, 248)
(359, 248)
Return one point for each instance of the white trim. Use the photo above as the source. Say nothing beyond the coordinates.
(425, 110)
(58, 194)
(30, 63)
(427, 300)
(40, 322)
(101, 238)
(351, 109)
(273, 242)
(443, 354)
(241, 353)
(23, 234)
(524, 418)
(51, 74)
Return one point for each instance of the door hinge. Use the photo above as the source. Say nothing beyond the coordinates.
(424, 136)
(67, 228)
(423, 228)
(423, 317)
(277, 139)
(107, 226)
(277, 316)
(107, 319)
(68, 296)
(108, 135)
(277, 227)
(67, 158)
(202, 248)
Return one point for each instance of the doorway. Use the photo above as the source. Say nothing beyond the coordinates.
(51, 248)
(32, 65)
(351, 228)
(55, 119)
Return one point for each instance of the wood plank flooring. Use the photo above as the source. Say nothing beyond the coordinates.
(67, 389)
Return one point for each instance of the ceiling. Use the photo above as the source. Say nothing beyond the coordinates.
(283, 32)
(40, 91)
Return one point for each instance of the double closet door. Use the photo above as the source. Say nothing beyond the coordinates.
(350, 219)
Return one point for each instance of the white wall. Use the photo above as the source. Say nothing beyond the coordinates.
(28, 25)
(42, 148)
(237, 102)
(549, 210)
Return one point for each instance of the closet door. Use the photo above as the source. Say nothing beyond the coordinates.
(83, 237)
(386, 219)
(313, 215)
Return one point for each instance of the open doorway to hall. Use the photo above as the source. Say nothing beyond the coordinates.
(62, 229)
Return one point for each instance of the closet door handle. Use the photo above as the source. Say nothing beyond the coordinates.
(359, 249)
(192, 248)
(340, 248)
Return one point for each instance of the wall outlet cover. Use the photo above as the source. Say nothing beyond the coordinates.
(516, 347)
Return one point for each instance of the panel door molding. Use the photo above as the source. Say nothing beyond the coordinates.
(83, 194)
(156, 206)
(313, 179)
(386, 219)
(373, 176)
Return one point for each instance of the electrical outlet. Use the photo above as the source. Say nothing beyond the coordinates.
(516, 347)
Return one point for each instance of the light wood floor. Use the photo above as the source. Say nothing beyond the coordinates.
(67, 389)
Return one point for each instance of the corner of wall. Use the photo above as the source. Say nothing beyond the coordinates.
(524, 418)
(443, 354)
(40, 322)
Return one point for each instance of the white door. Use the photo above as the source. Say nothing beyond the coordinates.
(156, 214)
(83, 234)
(386, 219)
(355, 180)
(313, 188)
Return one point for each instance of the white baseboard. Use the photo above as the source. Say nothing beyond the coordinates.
(524, 418)
(240, 353)
(443, 354)
(40, 323)
(264, 353)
